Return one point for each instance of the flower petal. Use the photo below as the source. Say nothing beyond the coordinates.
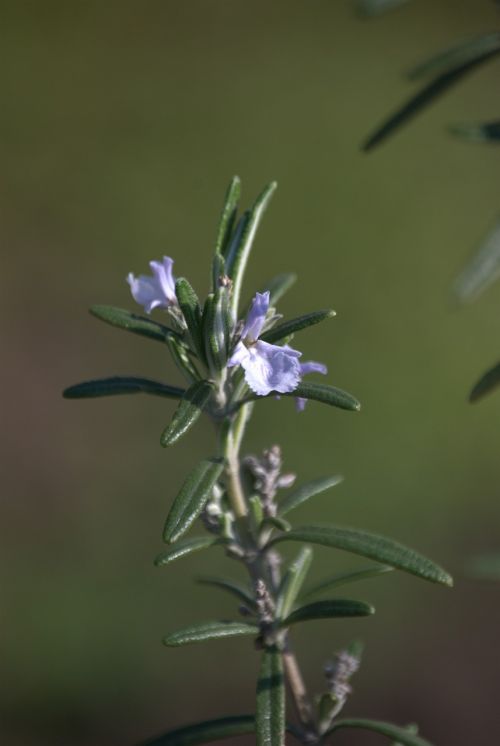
(310, 367)
(147, 292)
(256, 317)
(239, 355)
(162, 272)
(271, 368)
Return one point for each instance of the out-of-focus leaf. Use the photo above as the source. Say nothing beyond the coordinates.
(437, 87)
(401, 735)
(485, 567)
(121, 385)
(379, 548)
(482, 270)
(448, 59)
(338, 607)
(343, 578)
(190, 408)
(275, 522)
(190, 307)
(292, 582)
(239, 252)
(317, 391)
(228, 215)
(281, 331)
(187, 546)
(191, 499)
(412, 729)
(306, 491)
(485, 132)
(278, 286)
(206, 732)
(209, 631)
(270, 716)
(240, 591)
(488, 382)
(371, 8)
(131, 322)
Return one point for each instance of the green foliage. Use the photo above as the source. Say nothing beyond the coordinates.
(280, 332)
(403, 736)
(187, 546)
(191, 311)
(306, 491)
(239, 252)
(191, 499)
(131, 322)
(206, 732)
(209, 631)
(192, 404)
(292, 582)
(450, 67)
(318, 392)
(379, 548)
(342, 578)
(270, 717)
(240, 591)
(121, 385)
(338, 607)
(488, 382)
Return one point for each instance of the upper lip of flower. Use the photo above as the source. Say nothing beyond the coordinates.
(157, 291)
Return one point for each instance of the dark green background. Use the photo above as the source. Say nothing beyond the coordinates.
(120, 126)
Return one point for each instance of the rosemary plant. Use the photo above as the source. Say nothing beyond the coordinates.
(233, 356)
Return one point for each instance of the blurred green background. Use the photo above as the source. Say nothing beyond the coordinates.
(121, 125)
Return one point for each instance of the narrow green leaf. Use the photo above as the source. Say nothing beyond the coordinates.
(206, 732)
(187, 546)
(338, 607)
(484, 132)
(182, 360)
(190, 307)
(488, 382)
(425, 97)
(240, 591)
(210, 730)
(292, 582)
(280, 332)
(278, 286)
(401, 735)
(273, 521)
(483, 269)
(317, 391)
(191, 499)
(217, 328)
(371, 8)
(131, 322)
(270, 716)
(379, 548)
(343, 578)
(209, 631)
(228, 215)
(456, 55)
(238, 255)
(306, 491)
(190, 408)
(411, 729)
(121, 385)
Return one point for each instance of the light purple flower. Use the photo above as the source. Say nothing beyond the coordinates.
(267, 367)
(157, 291)
(305, 368)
